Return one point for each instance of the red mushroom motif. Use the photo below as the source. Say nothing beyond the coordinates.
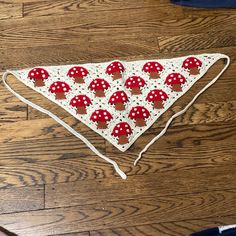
(80, 102)
(153, 68)
(38, 75)
(59, 88)
(175, 80)
(139, 114)
(77, 73)
(119, 98)
(193, 64)
(157, 96)
(115, 69)
(122, 130)
(135, 83)
(101, 117)
(99, 86)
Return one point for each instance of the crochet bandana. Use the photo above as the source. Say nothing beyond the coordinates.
(119, 100)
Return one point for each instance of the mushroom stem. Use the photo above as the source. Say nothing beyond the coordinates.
(60, 96)
(194, 71)
(102, 125)
(79, 80)
(116, 75)
(158, 104)
(123, 139)
(154, 75)
(140, 122)
(81, 110)
(136, 91)
(39, 83)
(176, 88)
(99, 93)
(120, 106)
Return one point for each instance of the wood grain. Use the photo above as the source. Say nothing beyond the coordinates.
(21, 199)
(46, 8)
(122, 214)
(200, 180)
(9, 10)
(166, 229)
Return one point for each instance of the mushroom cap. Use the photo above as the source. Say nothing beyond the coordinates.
(115, 66)
(139, 112)
(152, 66)
(80, 100)
(77, 71)
(191, 62)
(38, 73)
(99, 84)
(59, 87)
(122, 128)
(135, 81)
(175, 78)
(100, 115)
(156, 95)
(118, 97)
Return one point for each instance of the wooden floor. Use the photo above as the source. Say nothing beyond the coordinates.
(52, 184)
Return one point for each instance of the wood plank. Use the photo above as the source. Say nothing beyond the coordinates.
(118, 214)
(166, 229)
(195, 12)
(43, 55)
(45, 8)
(138, 187)
(74, 234)
(10, 112)
(60, 160)
(197, 41)
(21, 199)
(9, 10)
(50, 30)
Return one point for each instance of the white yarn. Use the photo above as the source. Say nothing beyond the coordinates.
(227, 227)
(65, 125)
(184, 110)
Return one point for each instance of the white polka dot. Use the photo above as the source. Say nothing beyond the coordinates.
(186, 64)
(197, 64)
(64, 89)
(104, 86)
(133, 114)
(83, 73)
(127, 130)
(162, 97)
(85, 102)
(74, 68)
(118, 126)
(32, 74)
(37, 73)
(140, 84)
(43, 75)
(74, 101)
(123, 99)
(42, 71)
(113, 99)
(120, 67)
(72, 72)
(144, 114)
(102, 82)
(97, 112)
(131, 78)
(56, 84)
(187, 60)
(171, 75)
(95, 117)
(58, 87)
(109, 69)
(116, 131)
(153, 92)
(181, 80)
(53, 88)
(34, 69)
(190, 62)
(106, 117)
(160, 93)
(135, 109)
(129, 83)
(81, 69)
(151, 96)
(158, 68)
(179, 76)
(195, 59)
(63, 85)
(169, 80)
(146, 68)
(93, 86)
(149, 63)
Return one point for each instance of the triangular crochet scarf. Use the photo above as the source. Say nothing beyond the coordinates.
(119, 100)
